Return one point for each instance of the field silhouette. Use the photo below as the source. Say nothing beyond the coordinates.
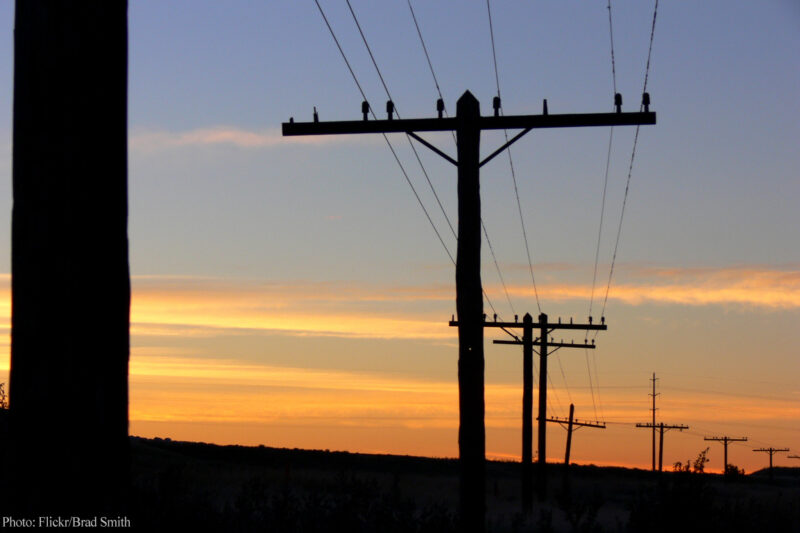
(206, 487)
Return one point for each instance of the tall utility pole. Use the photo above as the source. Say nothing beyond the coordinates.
(468, 125)
(661, 427)
(771, 451)
(528, 342)
(653, 409)
(725, 440)
(70, 284)
(573, 425)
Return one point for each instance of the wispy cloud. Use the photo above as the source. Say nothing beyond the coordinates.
(752, 286)
(149, 141)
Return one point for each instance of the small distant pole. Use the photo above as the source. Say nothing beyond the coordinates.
(725, 440)
(771, 451)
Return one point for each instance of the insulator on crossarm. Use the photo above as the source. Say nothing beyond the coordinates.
(440, 107)
(646, 102)
(602, 320)
(516, 318)
(544, 106)
(316, 115)
(590, 319)
(484, 317)
(291, 120)
(452, 318)
(618, 102)
(496, 106)
(365, 109)
(592, 342)
(570, 320)
(390, 109)
(559, 320)
(495, 317)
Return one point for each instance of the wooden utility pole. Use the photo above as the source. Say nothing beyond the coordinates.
(570, 424)
(661, 427)
(653, 409)
(771, 451)
(528, 342)
(725, 440)
(468, 125)
(70, 287)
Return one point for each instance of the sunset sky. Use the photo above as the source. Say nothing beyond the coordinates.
(291, 292)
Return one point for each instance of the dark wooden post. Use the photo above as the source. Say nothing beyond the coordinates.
(542, 463)
(569, 434)
(70, 279)
(661, 447)
(469, 305)
(527, 413)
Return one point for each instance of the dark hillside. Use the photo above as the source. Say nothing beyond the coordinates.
(204, 487)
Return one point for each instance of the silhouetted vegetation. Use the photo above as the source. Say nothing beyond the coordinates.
(201, 487)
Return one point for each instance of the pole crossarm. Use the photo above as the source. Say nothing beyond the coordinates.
(550, 326)
(550, 344)
(529, 122)
(565, 420)
(793, 456)
(771, 451)
(726, 439)
(680, 427)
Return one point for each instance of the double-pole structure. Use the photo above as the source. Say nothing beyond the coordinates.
(661, 427)
(468, 125)
(725, 440)
(546, 346)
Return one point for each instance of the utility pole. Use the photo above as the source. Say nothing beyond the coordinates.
(573, 425)
(468, 125)
(725, 440)
(70, 282)
(528, 342)
(771, 451)
(661, 428)
(653, 409)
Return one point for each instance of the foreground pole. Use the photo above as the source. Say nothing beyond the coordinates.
(70, 282)
(469, 305)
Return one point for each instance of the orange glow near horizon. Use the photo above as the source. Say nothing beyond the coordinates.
(186, 391)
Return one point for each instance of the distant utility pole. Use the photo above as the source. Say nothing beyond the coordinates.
(573, 425)
(528, 342)
(661, 427)
(725, 440)
(468, 125)
(653, 409)
(771, 451)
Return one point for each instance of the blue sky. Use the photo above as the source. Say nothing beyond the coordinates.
(323, 240)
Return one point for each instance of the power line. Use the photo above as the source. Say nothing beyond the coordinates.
(441, 98)
(498, 103)
(603, 209)
(633, 155)
(388, 143)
